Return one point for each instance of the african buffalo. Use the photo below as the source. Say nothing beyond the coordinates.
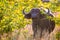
(40, 22)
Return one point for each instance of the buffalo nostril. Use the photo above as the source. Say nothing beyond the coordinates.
(34, 15)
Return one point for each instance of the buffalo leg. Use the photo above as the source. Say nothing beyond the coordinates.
(34, 27)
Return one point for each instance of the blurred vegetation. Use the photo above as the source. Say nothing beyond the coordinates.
(11, 16)
(58, 35)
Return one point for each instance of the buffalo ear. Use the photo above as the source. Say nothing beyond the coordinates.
(28, 16)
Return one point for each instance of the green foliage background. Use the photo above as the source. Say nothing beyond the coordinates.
(11, 16)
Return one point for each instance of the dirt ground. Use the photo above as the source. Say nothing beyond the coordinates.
(29, 32)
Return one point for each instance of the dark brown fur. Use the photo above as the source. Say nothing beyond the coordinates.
(40, 22)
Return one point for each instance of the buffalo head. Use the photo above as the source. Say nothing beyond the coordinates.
(32, 14)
